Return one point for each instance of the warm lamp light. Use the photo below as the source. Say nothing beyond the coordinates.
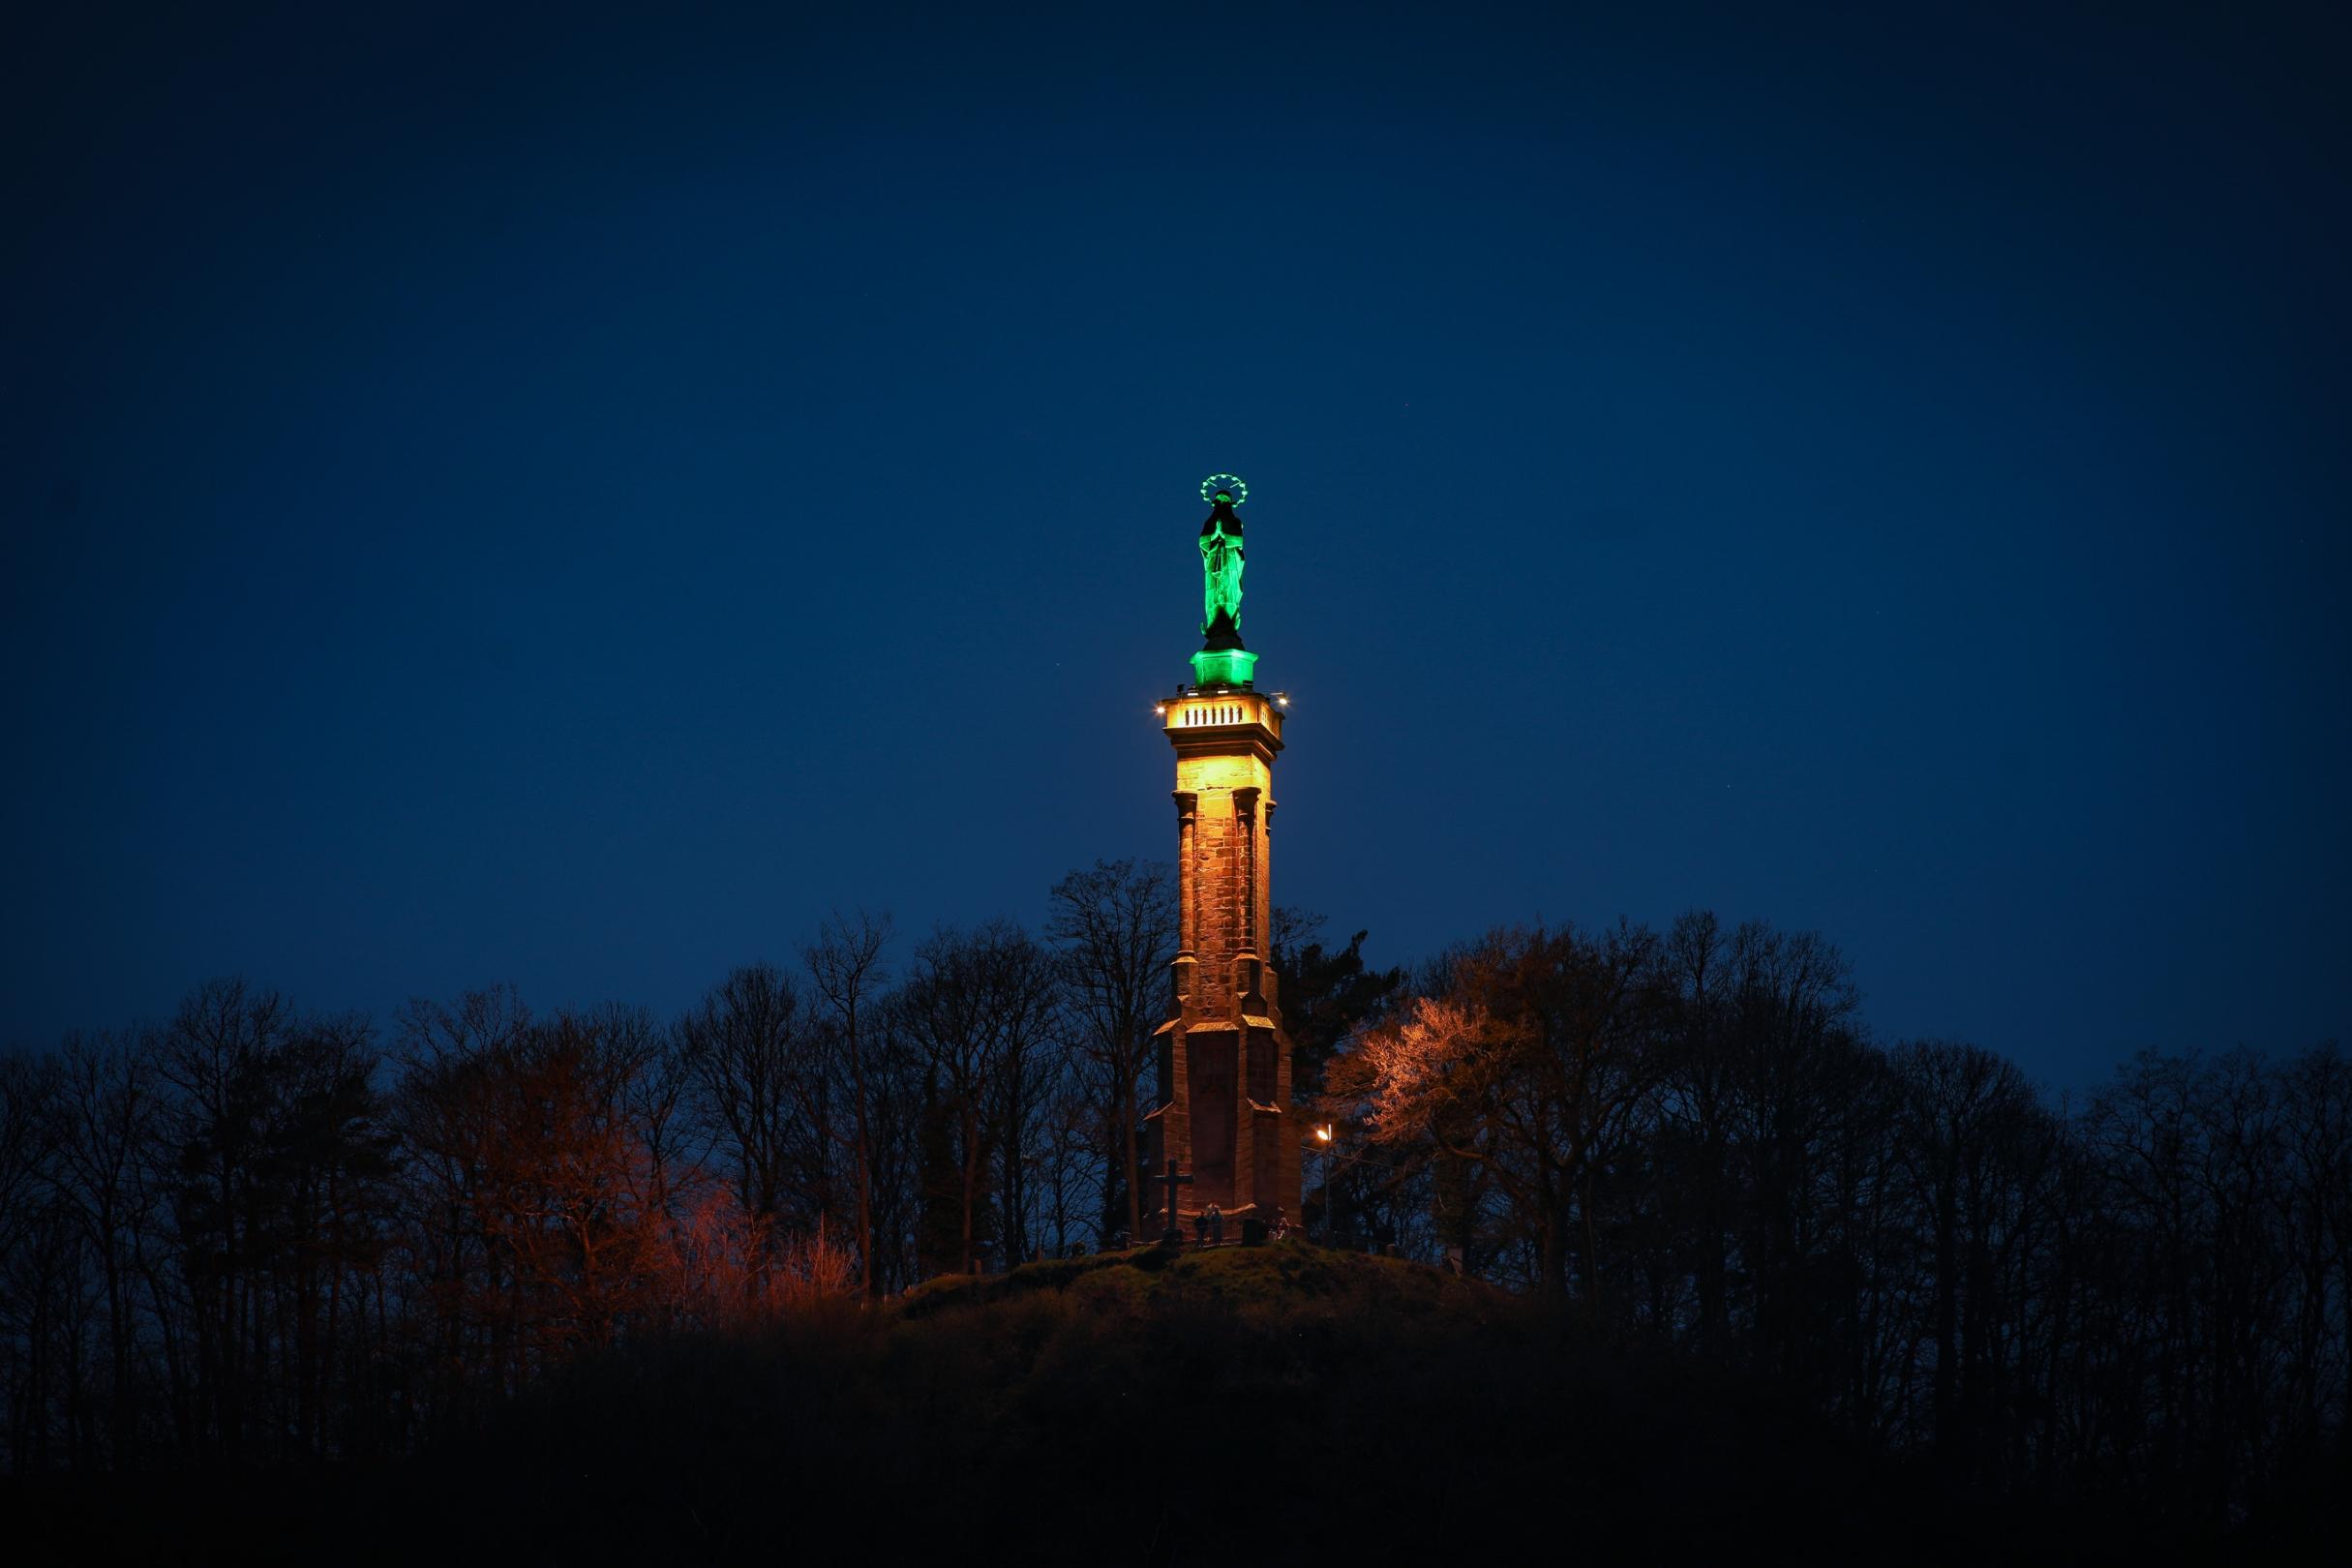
(1323, 1132)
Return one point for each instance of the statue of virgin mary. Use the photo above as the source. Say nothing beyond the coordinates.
(1221, 573)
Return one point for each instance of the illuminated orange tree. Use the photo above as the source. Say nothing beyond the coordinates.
(1530, 1062)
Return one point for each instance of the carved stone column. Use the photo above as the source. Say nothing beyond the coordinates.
(1182, 967)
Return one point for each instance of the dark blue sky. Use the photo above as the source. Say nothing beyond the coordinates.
(568, 501)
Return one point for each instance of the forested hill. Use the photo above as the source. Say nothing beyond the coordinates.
(1152, 1407)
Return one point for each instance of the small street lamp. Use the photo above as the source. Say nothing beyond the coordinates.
(1323, 1139)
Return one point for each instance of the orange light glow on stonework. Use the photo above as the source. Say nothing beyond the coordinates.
(1223, 1099)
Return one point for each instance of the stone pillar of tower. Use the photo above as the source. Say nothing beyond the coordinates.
(1223, 1105)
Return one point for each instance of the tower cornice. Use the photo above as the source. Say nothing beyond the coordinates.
(1214, 723)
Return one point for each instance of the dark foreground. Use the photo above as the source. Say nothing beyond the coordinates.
(1263, 1405)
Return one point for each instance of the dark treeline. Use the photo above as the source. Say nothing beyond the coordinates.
(255, 1235)
(1686, 1137)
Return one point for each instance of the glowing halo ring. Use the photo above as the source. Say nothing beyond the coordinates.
(1209, 487)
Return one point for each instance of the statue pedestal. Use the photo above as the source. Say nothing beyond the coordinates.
(1223, 667)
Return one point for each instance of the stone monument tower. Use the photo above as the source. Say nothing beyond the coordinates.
(1223, 1115)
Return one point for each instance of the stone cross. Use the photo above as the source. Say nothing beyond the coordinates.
(1172, 1235)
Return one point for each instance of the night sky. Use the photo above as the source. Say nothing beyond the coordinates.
(570, 500)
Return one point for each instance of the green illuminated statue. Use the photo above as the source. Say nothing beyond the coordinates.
(1220, 571)
(1223, 660)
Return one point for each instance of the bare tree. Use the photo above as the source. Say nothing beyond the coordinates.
(1114, 932)
(212, 1055)
(106, 1104)
(650, 1062)
(1532, 1063)
(31, 1219)
(849, 965)
(752, 1056)
(1068, 1156)
(1964, 1123)
(979, 1006)
(1032, 1048)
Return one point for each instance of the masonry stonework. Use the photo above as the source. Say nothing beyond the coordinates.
(1224, 1103)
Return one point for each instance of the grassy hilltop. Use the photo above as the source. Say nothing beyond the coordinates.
(1281, 1402)
(1158, 1408)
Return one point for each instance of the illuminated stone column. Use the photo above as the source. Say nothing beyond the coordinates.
(1223, 1107)
(1188, 817)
